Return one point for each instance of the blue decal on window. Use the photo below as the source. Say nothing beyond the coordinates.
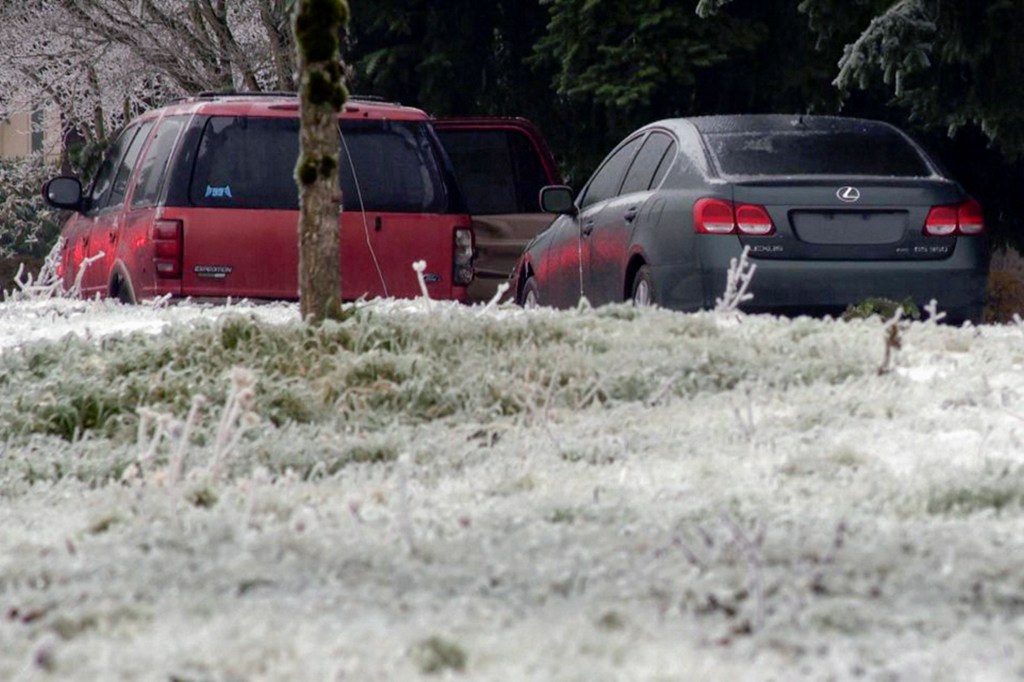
(219, 192)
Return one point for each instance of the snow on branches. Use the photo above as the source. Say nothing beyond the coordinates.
(99, 61)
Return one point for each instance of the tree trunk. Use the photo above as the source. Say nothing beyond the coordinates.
(318, 26)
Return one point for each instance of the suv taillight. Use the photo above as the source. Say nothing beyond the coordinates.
(965, 219)
(167, 247)
(463, 257)
(718, 216)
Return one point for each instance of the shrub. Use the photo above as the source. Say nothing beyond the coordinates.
(28, 227)
(882, 307)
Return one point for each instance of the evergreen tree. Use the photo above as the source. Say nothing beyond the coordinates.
(948, 63)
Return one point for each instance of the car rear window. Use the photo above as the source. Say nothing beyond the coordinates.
(499, 169)
(878, 152)
(391, 166)
(248, 162)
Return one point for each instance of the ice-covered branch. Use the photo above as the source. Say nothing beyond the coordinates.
(741, 273)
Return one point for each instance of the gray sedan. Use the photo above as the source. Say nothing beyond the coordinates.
(834, 211)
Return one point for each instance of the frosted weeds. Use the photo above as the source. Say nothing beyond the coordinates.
(612, 494)
(738, 279)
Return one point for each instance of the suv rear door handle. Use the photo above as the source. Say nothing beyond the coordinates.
(588, 227)
(631, 214)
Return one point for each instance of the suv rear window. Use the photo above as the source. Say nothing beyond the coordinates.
(878, 152)
(249, 162)
(391, 166)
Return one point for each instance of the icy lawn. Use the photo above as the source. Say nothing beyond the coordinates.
(443, 492)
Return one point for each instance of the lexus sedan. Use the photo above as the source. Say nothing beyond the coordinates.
(834, 211)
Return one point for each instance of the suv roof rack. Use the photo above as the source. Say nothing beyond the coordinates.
(214, 94)
(210, 94)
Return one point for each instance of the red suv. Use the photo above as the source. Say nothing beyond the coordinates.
(198, 199)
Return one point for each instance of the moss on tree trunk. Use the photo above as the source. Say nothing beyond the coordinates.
(318, 26)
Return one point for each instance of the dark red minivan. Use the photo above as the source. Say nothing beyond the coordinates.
(501, 164)
(197, 199)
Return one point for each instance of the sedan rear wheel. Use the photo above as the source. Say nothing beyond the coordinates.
(531, 296)
(643, 291)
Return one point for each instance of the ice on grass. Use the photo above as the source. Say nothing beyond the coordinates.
(433, 490)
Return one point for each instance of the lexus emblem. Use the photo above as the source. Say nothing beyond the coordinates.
(848, 194)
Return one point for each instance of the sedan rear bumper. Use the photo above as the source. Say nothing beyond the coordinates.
(957, 283)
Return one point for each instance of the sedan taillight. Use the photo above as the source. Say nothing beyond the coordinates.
(971, 218)
(718, 216)
(753, 220)
(965, 219)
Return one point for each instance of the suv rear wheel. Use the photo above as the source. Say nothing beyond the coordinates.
(121, 289)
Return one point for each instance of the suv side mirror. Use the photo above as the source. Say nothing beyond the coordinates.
(63, 192)
(558, 199)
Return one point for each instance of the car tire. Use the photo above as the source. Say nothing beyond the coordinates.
(642, 289)
(530, 297)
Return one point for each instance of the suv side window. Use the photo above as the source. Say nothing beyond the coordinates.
(641, 173)
(605, 184)
(151, 173)
(127, 165)
(104, 179)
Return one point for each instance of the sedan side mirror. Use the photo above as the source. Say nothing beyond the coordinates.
(558, 199)
(63, 192)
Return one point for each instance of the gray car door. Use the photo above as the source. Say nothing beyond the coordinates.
(609, 244)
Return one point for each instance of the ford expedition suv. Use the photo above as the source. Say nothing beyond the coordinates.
(198, 199)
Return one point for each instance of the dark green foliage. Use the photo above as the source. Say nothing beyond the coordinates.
(436, 655)
(378, 371)
(456, 57)
(949, 63)
(965, 500)
(628, 55)
(882, 307)
(28, 227)
(202, 496)
(81, 411)
(85, 156)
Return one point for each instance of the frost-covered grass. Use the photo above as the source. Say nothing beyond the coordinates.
(427, 490)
